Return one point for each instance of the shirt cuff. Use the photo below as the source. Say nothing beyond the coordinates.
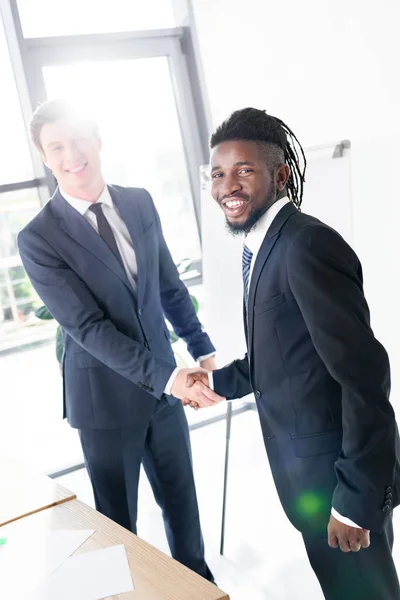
(344, 520)
(201, 358)
(171, 381)
(211, 381)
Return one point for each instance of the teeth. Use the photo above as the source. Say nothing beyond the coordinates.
(77, 169)
(234, 203)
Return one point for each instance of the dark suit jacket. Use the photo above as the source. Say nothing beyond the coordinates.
(320, 378)
(118, 357)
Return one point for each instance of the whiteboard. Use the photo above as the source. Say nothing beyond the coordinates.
(327, 190)
(327, 196)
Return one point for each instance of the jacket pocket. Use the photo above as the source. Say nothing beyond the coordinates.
(272, 302)
(317, 443)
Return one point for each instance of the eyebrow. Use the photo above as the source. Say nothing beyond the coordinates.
(54, 144)
(241, 163)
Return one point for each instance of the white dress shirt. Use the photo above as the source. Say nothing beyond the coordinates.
(124, 244)
(253, 241)
(120, 230)
(255, 237)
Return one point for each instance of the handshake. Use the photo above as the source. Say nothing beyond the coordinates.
(192, 388)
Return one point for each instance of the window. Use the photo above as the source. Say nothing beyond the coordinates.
(15, 160)
(42, 18)
(141, 97)
(134, 104)
(18, 300)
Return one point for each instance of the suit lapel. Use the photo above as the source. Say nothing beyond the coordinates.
(131, 217)
(269, 242)
(77, 227)
(262, 256)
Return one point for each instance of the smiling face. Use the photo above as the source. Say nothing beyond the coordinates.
(72, 151)
(244, 183)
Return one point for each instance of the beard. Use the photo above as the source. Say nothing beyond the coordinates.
(254, 216)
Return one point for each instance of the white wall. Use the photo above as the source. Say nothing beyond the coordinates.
(329, 68)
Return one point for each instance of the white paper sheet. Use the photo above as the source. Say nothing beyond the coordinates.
(31, 556)
(89, 576)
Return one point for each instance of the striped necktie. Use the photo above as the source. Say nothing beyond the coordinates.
(246, 263)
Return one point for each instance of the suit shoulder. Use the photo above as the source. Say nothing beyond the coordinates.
(136, 193)
(300, 221)
(309, 234)
(303, 226)
(40, 222)
(139, 196)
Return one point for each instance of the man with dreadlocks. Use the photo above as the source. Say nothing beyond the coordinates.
(320, 378)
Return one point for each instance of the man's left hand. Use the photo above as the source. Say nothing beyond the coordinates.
(208, 364)
(349, 539)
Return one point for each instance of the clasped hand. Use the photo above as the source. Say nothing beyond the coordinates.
(191, 386)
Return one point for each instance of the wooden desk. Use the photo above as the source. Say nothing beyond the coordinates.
(155, 575)
(24, 491)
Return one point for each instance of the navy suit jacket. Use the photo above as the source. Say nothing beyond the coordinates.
(320, 378)
(118, 357)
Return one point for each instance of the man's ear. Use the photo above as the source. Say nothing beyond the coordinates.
(282, 176)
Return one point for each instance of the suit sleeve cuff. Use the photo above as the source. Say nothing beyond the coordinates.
(344, 520)
(171, 381)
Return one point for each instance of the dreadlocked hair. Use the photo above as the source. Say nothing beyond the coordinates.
(274, 137)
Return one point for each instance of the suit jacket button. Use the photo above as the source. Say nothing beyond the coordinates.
(389, 495)
(140, 311)
(388, 489)
(385, 508)
(257, 394)
(388, 502)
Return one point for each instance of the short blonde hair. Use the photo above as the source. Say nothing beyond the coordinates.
(51, 111)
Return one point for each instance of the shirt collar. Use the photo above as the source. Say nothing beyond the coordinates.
(83, 205)
(255, 237)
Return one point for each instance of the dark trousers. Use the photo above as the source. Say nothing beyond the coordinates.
(369, 574)
(113, 459)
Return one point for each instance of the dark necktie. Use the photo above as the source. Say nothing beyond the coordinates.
(105, 231)
(246, 263)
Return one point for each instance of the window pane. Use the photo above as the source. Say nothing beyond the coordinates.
(15, 159)
(134, 104)
(18, 299)
(41, 18)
